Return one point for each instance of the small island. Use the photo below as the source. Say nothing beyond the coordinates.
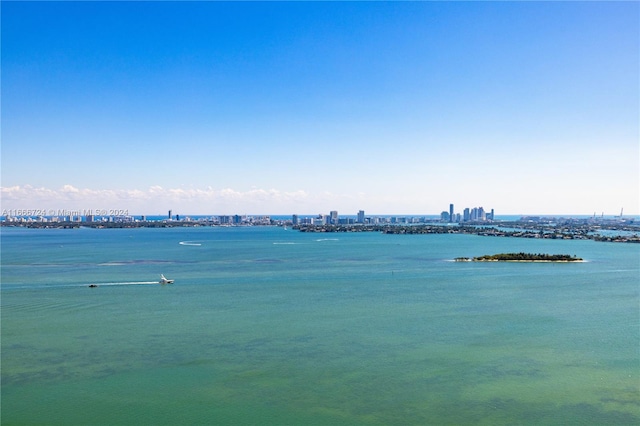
(521, 257)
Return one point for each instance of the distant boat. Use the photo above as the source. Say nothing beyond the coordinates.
(163, 280)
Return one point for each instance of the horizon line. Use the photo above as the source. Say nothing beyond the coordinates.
(72, 212)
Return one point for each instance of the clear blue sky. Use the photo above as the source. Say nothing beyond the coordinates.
(279, 108)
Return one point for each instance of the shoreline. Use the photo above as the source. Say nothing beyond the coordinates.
(518, 229)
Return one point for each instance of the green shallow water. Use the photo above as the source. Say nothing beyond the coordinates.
(267, 326)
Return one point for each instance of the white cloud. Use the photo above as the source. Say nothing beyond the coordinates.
(157, 199)
(70, 189)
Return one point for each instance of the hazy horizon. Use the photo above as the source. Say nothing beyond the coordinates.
(182, 214)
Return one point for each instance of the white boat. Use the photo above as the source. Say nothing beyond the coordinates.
(164, 280)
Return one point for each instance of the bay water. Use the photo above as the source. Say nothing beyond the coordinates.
(271, 326)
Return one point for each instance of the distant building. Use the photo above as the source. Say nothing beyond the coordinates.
(170, 216)
(477, 214)
(320, 220)
(361, 216)
(333, 217)
(294, 219)
(451, 217)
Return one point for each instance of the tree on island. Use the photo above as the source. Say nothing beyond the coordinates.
(530, 257)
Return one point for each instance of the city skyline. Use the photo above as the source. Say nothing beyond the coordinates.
(273, 108)
(333, 217)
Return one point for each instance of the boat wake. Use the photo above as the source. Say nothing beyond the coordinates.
(189, 243)
(136, 262)
(52, 286)
(125, 283)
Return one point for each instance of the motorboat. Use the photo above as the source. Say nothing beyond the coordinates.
(164, 280)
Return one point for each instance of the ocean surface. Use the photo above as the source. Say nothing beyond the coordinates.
(271, 326)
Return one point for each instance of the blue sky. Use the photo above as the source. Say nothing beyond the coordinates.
(280, 108)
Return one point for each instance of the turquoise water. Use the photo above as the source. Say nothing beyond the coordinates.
(269, 326)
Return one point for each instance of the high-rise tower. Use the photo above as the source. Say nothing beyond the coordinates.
(334, 217)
